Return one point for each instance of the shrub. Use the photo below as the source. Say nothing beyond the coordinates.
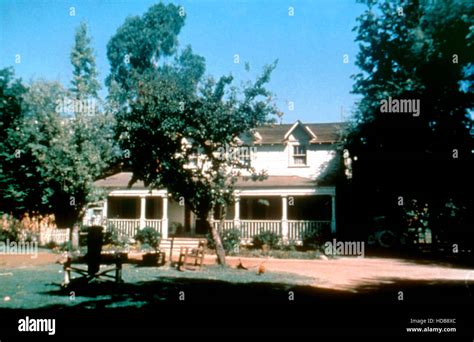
(149, 236)
(315, 238)
(230, 240)
(12, 233)
(51, 245)
(271, 239)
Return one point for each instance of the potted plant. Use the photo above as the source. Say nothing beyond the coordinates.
(149, 240)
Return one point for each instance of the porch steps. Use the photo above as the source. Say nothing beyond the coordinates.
(177, 243)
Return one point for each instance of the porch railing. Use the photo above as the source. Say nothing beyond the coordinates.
(250, 228)
(228, 224)
(156, 224)
(127, 227)
(296, 228)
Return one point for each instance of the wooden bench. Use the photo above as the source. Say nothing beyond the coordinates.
(191, 258)
(94, 258)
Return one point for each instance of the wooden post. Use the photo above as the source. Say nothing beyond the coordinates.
(333, 214)
(142, 211)
(118, 269)
(67, 270)
(284, 218)
(164, 220)
(237, 211)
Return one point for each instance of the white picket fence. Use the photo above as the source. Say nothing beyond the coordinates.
(56, 235)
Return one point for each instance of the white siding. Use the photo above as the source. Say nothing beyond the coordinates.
(275, 159)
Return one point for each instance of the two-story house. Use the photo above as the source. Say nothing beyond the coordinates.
(288, 202)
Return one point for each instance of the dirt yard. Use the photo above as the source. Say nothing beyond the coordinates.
(345, 274)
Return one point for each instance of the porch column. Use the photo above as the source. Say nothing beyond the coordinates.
(237, 211)
(164, 220)
(333, 214)
(284, 218)
(104, 213)
(142, 211)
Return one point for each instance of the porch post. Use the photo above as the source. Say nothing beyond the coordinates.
(104, 213)
(142, 211)
(164, 220)
(237, 211)
(284, 218)
(333, 214)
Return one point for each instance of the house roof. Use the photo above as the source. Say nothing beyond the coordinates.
(275, 182)
(121, 180)
(325, 132)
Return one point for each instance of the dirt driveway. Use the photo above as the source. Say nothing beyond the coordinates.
(351, 273)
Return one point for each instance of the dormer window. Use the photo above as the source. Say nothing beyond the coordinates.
(299, 155)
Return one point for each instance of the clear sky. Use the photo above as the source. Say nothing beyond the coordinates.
(309, 45)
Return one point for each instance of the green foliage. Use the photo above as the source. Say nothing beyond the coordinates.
(84, 82)
(167, 114)
(49, 161)
(15, 172)
(268, 238)
(315, 238)
(148, 236)
(427, 54)
(230, 240)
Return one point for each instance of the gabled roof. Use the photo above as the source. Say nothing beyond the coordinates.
(319, 133)
(306, 129)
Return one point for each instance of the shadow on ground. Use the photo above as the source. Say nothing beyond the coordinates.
(177, 306)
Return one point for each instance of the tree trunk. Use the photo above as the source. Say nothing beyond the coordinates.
(219, 247)
(220, 251)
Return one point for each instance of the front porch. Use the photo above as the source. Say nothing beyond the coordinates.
(287, 213)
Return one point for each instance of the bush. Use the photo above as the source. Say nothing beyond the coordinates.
(230, 240)
(271, 239)
(315, 238)
(13, 233)
(148, 236)
(51, 245)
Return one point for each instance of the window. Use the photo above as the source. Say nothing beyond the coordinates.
(299, 155)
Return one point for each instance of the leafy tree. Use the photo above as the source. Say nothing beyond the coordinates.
(175, 124)
(13, 175)
(51, 159)
(421, 50)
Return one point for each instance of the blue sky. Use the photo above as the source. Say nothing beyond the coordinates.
(309, 45)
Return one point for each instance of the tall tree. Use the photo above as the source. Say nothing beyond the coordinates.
(177, 126)
(422, 51)
(84, 83)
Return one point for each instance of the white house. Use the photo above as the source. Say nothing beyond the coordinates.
(288, 202)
